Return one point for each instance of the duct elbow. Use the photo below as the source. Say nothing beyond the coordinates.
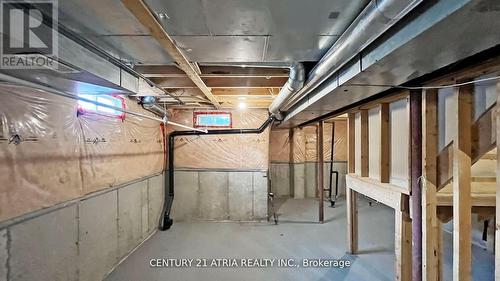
(294, 83)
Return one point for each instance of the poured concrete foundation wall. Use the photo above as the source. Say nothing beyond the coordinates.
(82, 239)
(220, 195)
(298, 180)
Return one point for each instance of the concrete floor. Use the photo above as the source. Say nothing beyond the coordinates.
(297, 236)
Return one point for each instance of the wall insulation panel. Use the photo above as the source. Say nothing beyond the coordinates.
(50, 154)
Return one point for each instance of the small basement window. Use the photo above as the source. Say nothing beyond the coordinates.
(113, 100)
(212, 119)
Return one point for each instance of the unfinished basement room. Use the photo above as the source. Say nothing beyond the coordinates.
(287, 140)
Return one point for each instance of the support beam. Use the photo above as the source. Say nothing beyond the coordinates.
(430, 243)
(143, 14)
(402, 240)
(388, 194)
(351, 147)
(364, 143)
(320, 168)
(462, 208)
(385, 145)
(415, 174)
(352, 221)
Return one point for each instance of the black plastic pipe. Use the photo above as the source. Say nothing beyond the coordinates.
(165, 220)
(332, 202)
(332, 199)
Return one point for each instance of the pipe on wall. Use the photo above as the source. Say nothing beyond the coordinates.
(165, 220)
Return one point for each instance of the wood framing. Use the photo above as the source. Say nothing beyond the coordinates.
(364, 143)
(402, 244)
(497, 221)
(462, 207)
(352, 221)
(385, 145)
(351, 131)
(390, 195)
(320, 168)
(415, 147)
(430, 243)
(141, 11)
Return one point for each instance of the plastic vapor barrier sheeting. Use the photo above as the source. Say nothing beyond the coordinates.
(50, 154)
(235, 151)
(305, 146)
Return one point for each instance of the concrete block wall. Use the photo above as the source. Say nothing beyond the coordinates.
(82, 239)
(220, 195)
(298, 180)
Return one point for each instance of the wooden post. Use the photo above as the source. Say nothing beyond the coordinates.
(320, 171)
(385, 145)
(403, 246)
(415, 175)
(352, 212)
(462, 186)
(430, 231)
(497, 220)
(364, 143)
(352, 221)
(351, 131)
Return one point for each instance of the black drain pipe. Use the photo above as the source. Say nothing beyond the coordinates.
(332, 200)
(165, 220)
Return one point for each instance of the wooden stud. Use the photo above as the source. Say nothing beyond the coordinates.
(351, 147)
(352, 221)
(402, 237)
(497, 223)
(462, 207)
(385, 145)
(430, 269)
(320, 168)
(364, 143)
(415, 172)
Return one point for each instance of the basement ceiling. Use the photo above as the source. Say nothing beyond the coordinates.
(216, 30)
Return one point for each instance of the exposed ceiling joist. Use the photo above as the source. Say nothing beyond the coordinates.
(212, 71)
(143, 14)
(221, 82)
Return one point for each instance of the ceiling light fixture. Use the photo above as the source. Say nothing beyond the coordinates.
(242, 105)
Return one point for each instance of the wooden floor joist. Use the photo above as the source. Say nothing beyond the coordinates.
(144, 15)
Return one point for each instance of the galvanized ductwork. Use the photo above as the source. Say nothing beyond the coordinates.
(292, 85)
(373, 21)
